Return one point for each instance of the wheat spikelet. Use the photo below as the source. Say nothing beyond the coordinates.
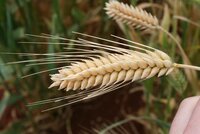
(130, 15)
(97, 68)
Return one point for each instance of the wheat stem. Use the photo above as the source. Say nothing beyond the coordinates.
(187, 66)
(186, 20)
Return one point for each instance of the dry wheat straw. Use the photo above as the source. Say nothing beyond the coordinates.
(101, 68)
(182, 18)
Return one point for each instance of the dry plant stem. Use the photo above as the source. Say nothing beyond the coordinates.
(187, 66)
(186, 20)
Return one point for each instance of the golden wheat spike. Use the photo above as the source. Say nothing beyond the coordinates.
(107, 68)
(112, 68)
(130, 15)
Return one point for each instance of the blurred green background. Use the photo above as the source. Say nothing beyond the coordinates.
(142, 107)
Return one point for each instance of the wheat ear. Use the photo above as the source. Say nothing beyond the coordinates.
(112, 68)
(101, 67)
(130, 15)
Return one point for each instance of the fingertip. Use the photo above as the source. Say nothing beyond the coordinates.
(183, 115)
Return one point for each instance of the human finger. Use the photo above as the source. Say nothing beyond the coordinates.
(183, 115)
(193, 126)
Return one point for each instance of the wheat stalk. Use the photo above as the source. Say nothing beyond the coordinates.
(100, 68)
(139, 18)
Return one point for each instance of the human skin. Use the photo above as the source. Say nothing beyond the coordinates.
(187, 118)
